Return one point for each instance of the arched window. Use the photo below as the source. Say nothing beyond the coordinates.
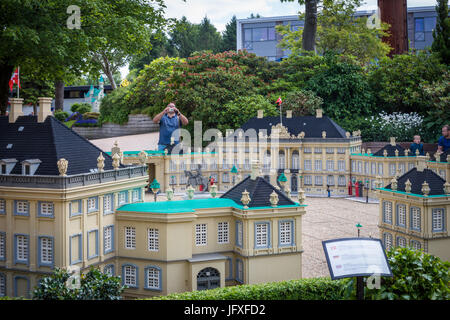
(208, 278)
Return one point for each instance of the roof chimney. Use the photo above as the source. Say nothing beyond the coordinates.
(421, 163)
(289, 114)
(16, 109)
(45, 108)
(393, 141)
(319, 113)
(260, 114)
(255, 169)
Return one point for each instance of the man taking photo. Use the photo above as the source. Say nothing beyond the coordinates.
(170, 119)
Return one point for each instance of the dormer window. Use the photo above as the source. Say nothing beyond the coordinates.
(30, 166)
(7, 165)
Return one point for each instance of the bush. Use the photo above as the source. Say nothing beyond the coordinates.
(344, 88)
(61, 115)
(302, 103)
(94, 285)
(416, 276)
(303, 289)
(240, 110)
(81, 108)
(381, 127)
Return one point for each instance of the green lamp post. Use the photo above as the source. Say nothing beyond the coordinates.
(359, 226)
(155, 186)
(234, 171)
(282, 180)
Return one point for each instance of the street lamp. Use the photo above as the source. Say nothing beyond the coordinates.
(367, 191)
(359, 226)
(282, 180)
(155, 187)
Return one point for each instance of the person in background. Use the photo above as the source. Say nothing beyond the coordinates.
(416, 145)
(328, 191)
(444, 140)
(170, 119)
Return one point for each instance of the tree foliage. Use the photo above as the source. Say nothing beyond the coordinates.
(229, 36)
(339, 31)
(343, 86)
(441, 34)
(396, 82)
(302, 102)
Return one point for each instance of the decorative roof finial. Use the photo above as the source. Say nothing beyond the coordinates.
(408, 186)
(63, 164)
(142, 157)
(425, 189)
(393, 141)
(324, 134)
(396, 152)
(245, 198)
(385, 153)
(100, 162)
(417, 152)
(447, 187)
(274, 199)
(116, 161)
(190, 192)
(394, 183)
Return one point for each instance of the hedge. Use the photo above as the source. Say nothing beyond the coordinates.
(303, 289)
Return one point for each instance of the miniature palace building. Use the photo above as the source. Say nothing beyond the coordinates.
(414, 211)
(65, 203)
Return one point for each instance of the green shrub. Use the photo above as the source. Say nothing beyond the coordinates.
(416, 276)
(302, 103)
(94, 285)
(61, 115)
(303, 289)
(81, 107)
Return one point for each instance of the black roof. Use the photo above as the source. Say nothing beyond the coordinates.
(259, 191)
(435, 182)
(390, 150)
(311, 125)
(48, 141)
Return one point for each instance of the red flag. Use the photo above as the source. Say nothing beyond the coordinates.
(14, 80)
(279, 101)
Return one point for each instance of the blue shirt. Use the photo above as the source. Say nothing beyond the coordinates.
(166, 127)
(444, 143)
(414, 146)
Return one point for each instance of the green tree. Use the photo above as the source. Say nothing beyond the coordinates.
(183, 36)
(441, 34)
(343, 86)
(229, 36)
(339, 31)
(302, 102)
(209, 38)
(396, 81)
(160, 48)
(94, 285)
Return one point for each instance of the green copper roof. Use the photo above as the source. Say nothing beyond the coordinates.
(155, 153)
(414, 194)
(234, 169)
(282, 178)
(178, 206)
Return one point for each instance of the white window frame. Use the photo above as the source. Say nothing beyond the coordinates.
(46, 209)
(92, 204)
(22, 207)
(318, 180)
(108, 239)
(130, 238)
(318, 165)
(286, 233)
(201, 234)
(416, 219)
(2, 285)
(330, 165)
(223, 232)
(2, 245)
(401, 242)
(262, 235)
(401, 215)
(387, 212)
(130, 276)
(308, 165)
(387, 239)
(153, 278)
(108, 203)
(136, 195)
(438, 219)
(46, 253)
(153, 239)
(341, 165)
(22, 248)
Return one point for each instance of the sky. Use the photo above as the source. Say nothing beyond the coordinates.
(220, 12)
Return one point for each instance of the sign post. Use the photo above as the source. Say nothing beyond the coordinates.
(356, 257)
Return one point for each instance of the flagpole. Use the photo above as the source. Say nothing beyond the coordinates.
(18, 81)
(281, 113)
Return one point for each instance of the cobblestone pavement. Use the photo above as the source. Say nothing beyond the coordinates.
(329, 219)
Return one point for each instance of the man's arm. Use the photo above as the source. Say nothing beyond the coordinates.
(184, 120)
(158, 117)
(440, 148)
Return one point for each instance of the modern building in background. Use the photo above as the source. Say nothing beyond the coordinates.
(259, 36)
